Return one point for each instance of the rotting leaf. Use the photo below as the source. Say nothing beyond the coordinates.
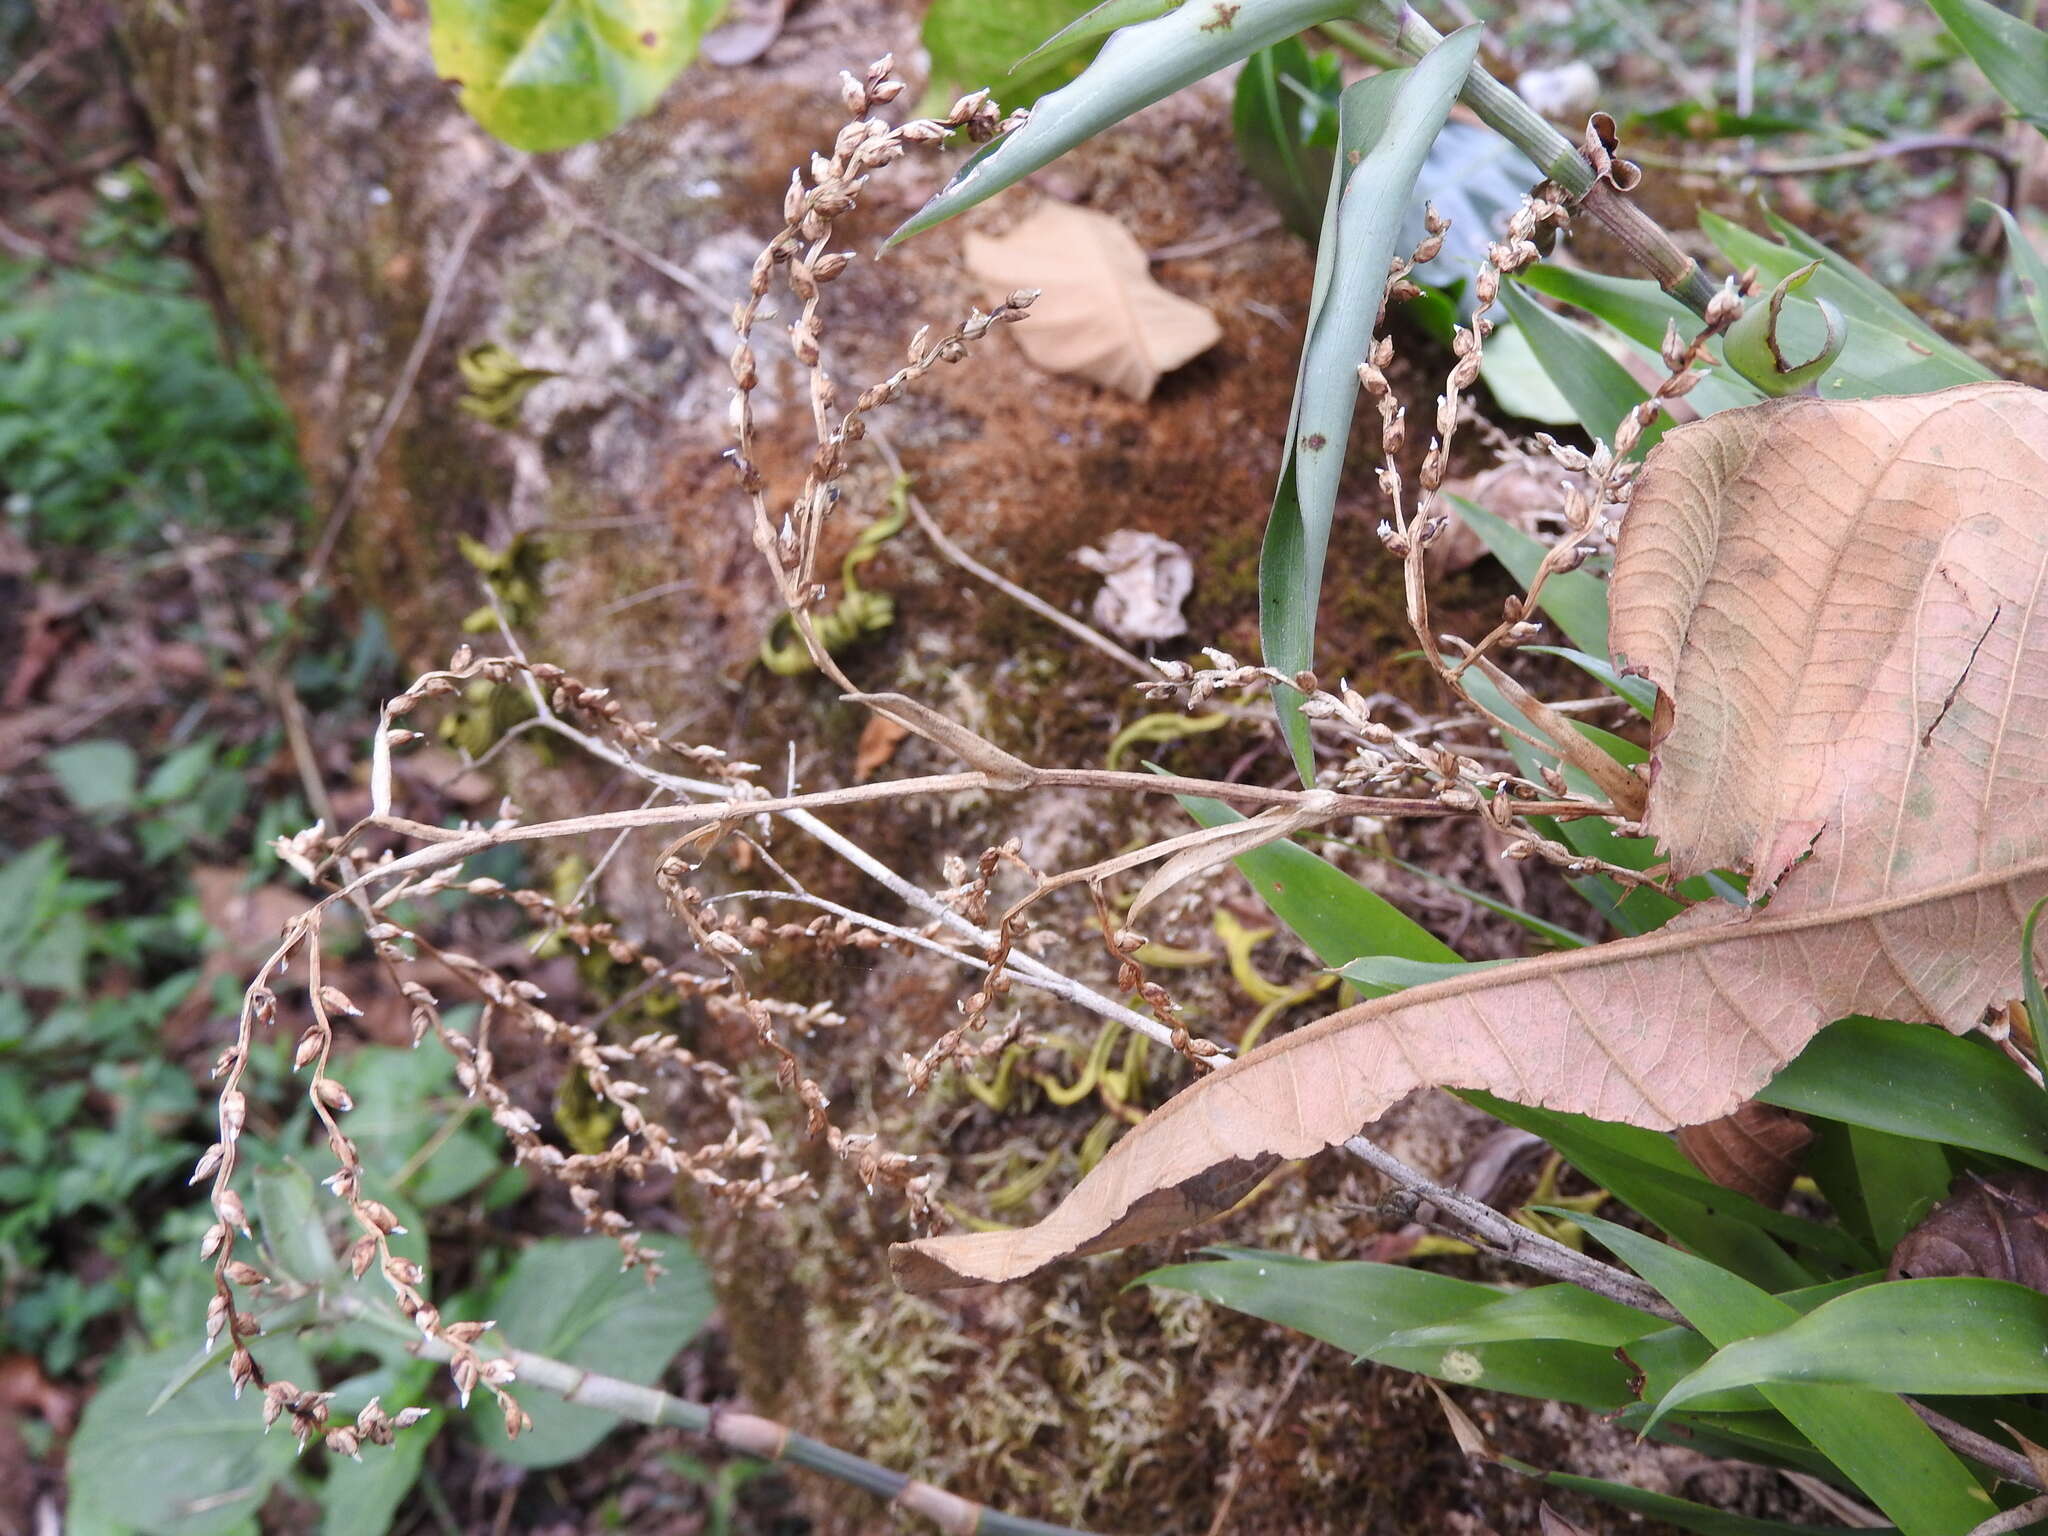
(1996, 1227)
(1099, 316)
(1837, 601)
(1755, 1150)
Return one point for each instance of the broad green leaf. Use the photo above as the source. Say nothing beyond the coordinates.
(1682, 1514)
(1520, 386)
(1360, 1307)
(567, 1299)
(1543, 928)
(1575, 600)
(291, 1225)
(1875, 1439)
(2029, 273)
(2013, 55)
(1139, 65)
(1336, 917)
(1646, 1172)
(201, 1467)
(96, 775)
(1915, 1080)
(975, 44)
(545, 74)
(407, 1123)
(1599, 388)
(1386, 124)
(362, 1498)
(1958, 1337)
(1889, 351)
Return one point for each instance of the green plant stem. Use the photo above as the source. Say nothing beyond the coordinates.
(1529, 131)
(742, 1432)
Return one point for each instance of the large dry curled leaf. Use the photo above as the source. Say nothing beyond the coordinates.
(1842, 604)
(1099, 315)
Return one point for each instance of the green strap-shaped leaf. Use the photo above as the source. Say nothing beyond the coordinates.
(1336, 917)
(1646, 1171)
(1274, 125)
(1640, 311)
(2029, 273)
(1359, 1307)
(545, 74)
(1682, 1514)
(1875, 1439)
(1913, 1080)
(1576, 600)
(1888, 352)
(1958, 1337)
(1139, 65)
(1599, 388)
(1385, 125)
(2013, 55)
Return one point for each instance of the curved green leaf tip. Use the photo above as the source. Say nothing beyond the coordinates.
(545, 74)
(1766, 344)
(1140, 64)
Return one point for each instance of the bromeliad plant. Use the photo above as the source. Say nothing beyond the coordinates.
(1826, 609)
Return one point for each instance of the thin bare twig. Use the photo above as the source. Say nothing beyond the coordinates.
(745, 1433)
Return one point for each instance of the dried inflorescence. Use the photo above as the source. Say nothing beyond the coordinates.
(1442, 763)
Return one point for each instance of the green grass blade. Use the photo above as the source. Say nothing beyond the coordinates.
(2013, 55)
(1958, 1337)
(1139, 65)
(1920, 1081)
(1640, 692)
(1874, 1438)
(1385, 125)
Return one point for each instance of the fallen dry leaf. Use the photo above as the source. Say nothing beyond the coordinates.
(1841, 604)
(1996, 1227)
(1145, 580)
(1755, 1151)
(879, 739)
(1099, 315)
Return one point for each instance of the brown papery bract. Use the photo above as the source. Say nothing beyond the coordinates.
(1840, 603)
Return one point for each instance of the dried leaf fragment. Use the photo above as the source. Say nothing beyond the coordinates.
(1845, 607)
(1995, 1227)
(1145, 580)
(1099, 315)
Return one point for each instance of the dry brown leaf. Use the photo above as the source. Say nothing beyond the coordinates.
(1846, 599)
(879, 739)
(1755, 1151)
(1099, 315)
(1996, 1227)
